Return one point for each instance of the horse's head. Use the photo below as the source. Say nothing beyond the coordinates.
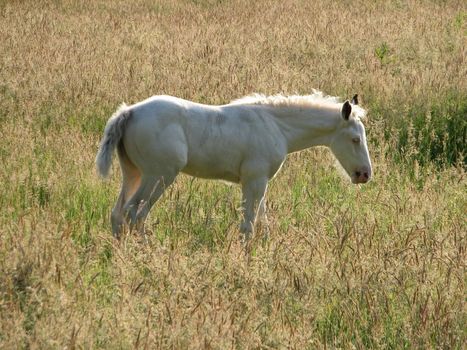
(349, 143)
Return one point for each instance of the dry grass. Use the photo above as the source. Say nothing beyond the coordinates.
(377, 266)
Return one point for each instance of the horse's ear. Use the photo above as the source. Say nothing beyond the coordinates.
(355, 100)
(346, 110)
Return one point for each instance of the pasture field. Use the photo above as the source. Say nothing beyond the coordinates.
(379, 266)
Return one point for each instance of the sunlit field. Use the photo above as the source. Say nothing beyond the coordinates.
(375, 266)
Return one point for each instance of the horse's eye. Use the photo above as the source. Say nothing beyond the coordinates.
(356, 140)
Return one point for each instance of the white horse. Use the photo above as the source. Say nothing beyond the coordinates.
(243, 142)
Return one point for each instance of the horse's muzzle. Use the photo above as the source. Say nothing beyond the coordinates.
(361, 177)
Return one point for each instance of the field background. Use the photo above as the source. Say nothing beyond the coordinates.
(351, 267)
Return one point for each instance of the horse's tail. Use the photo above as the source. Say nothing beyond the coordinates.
(112, 136)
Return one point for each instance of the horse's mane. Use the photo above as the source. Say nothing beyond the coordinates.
(316, 100)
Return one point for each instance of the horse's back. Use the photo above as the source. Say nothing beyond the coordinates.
(157, 107)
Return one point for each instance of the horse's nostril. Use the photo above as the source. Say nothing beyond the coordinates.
(357, 173)
(365, 175)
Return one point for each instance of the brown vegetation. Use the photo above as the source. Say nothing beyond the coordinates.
(377, 266)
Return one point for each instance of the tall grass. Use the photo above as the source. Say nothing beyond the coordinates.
(376, 266)
(435, 134)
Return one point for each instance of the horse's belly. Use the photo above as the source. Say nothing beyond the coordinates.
(211, 171)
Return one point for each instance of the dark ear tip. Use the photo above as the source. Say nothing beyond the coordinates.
(355, 99)
(346, 110)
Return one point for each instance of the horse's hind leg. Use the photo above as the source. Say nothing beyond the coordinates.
(131, 178)
(151, 188)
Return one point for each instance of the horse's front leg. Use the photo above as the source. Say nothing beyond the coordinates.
(262, 219)
(253, 202)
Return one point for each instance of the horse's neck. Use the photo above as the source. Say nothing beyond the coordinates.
(306, 127)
